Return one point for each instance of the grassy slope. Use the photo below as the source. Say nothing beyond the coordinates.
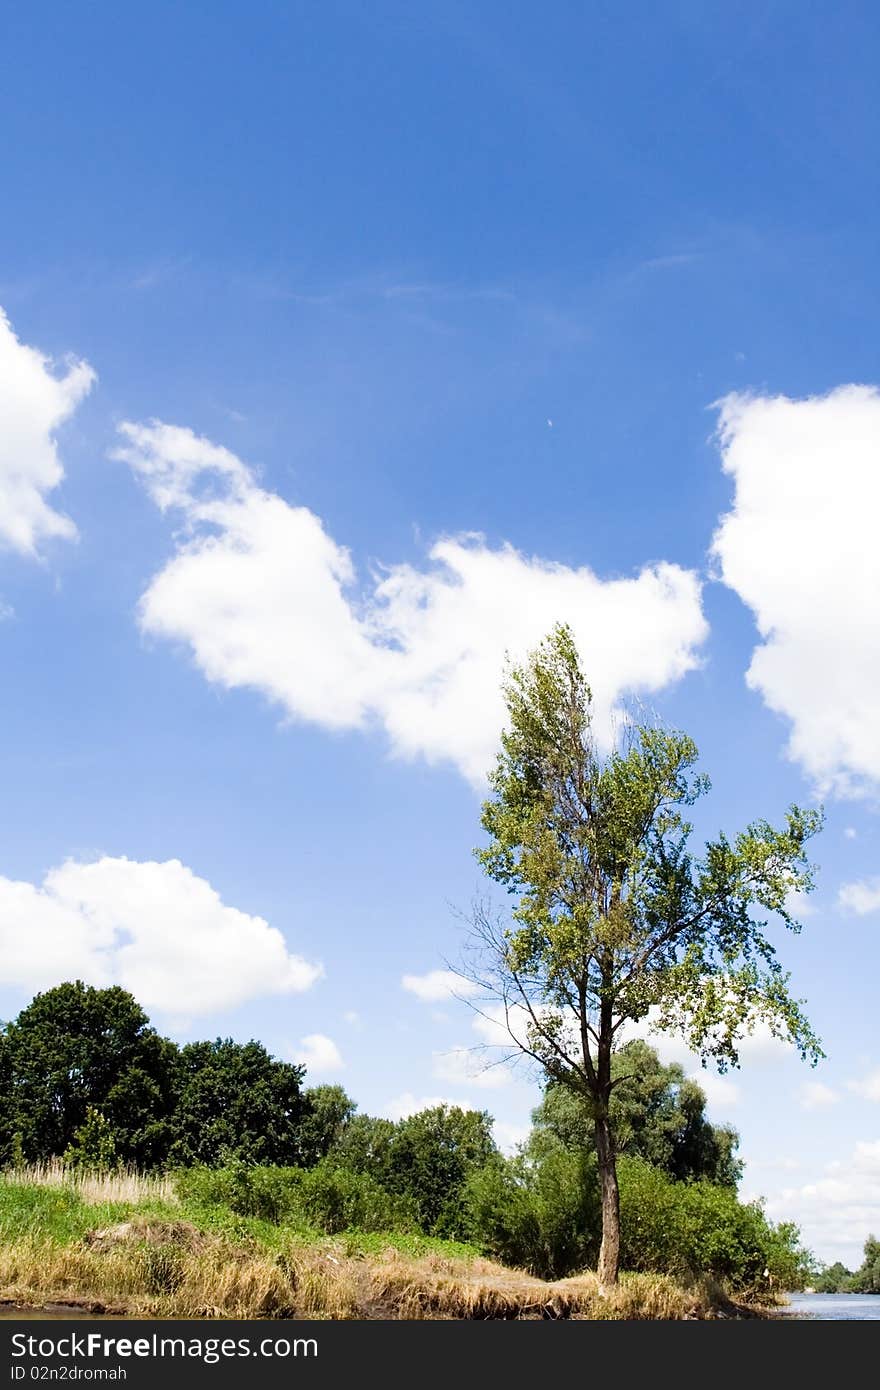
(150, 1254)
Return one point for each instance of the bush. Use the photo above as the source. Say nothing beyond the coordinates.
(543, 1218)
(692, 1230)
(93, 1147)
(326, 1197)
(272, 1194)
(335, 1199)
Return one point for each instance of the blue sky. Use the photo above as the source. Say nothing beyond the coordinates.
(483, 278)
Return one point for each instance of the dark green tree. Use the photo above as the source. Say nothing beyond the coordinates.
(431, 1156)
(364, 1146)
(327, 1112)
(235, 1101)
(77, 1049)
(614, 918)
(656, 1113)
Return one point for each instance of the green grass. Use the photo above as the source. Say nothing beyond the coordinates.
(60, 1216)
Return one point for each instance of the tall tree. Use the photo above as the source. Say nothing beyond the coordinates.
(614, 919)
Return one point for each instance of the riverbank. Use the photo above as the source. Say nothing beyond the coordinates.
(160, 1257)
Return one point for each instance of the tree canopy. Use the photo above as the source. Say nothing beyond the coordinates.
(234, 1099)
(82, 1072)
(656, 1113)
(76, 1049)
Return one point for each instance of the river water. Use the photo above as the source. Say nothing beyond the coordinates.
(836, 1307)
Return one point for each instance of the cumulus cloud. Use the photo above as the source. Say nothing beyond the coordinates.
(156, 929)
(868, 1087)
(34, 402)
(264, 598)
(799, 546)
(861, 896)
(319, 1055)
(438, 985)
(837, 1211)
(402, 1106)
(815, 1095)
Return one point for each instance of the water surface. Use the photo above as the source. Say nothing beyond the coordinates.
(838, 1307)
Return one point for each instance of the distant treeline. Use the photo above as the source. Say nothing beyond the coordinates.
(837, 1278)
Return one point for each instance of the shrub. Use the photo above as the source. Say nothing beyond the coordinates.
(691, 1230)
(335, 1199)
(543, 1217)
(270, 1193)
(327, 1197)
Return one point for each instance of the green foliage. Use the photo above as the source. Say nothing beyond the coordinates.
(656, 1114)
(327, 1112)
(424, 1159)
(543, 1218)
(430, 1157)
(326, 1197)
(94, 1145)
(834, 1278)
(867, 1278)
(75, 1048)
(695, 1229)
(235, 1101)
(364, 1146)
(335, 1199)
(612, 910)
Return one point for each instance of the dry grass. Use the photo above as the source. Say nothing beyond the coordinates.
(436, 1288)
(155, 1266)
(148, 1267)
(123, 1185)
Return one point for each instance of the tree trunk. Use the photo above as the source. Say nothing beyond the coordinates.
(609, 1251)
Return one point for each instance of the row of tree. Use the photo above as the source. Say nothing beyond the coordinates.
(84, 1076)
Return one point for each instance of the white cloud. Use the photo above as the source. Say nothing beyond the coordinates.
(509, 1136)
(837, 1211)
(720, 1093)
(850, 832)
(861, 896)
(815, 1095)
(265, 599)
(468, 1066)
(868, 1087)
(156, 929)
(800, 548)
(33, 403)
(352, 1017)
(319, 1055)
(402, 1106)
(438, 985)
